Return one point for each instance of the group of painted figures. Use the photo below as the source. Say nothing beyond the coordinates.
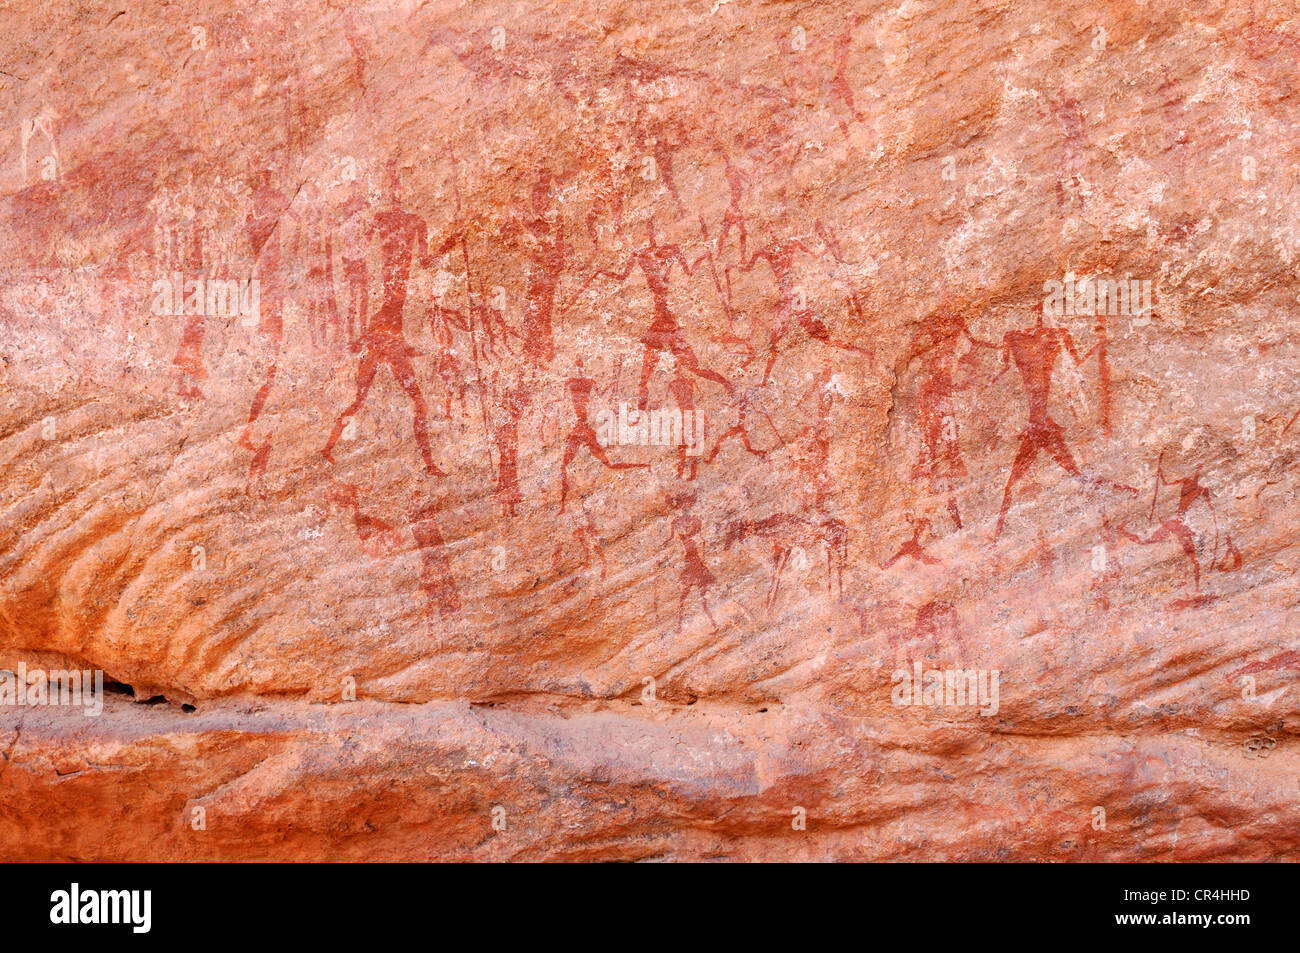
(327, 270)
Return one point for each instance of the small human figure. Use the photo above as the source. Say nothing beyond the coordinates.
(746, 404)
(686, 528)
(582, 434)
(779, 254)
(912, 547)
(1190, 491)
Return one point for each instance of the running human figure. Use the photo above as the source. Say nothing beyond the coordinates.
(912, 547)
(732, 217)
(779, 255)
(1190, 490)
(1034, 351)
(583, 434)
(665, 333)
(383, 338)
(746, 404)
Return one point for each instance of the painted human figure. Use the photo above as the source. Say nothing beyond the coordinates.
(181, 238)
(316, 245)
(940, 462)
(443, 323)
(912, 548)
(383, 338)
(695, 575)
(1034, 351)
(682, 391)
(353, 251)
(737, 184)
(584, 531)
(1190, 491)
(517, 400)
(655, 261)
(1069, 180)
(265, 231)
(811, 448)
(437, 580)
(841, 90)
(1112, 570)
(607, 190)
(746, 403)
(548, 259)
(779, 255)
(376, 536)
(582, 434)
(732, 217)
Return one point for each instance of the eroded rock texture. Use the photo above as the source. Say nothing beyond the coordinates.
(326, 328)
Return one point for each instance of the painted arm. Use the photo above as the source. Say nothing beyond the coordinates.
(622, 276)
(1068, 340)
(680, 258)
(977, 342)
(753, 260)
(1006, 359)
(455, 318)
(772, 423)
(1155, 490)
(428, 258)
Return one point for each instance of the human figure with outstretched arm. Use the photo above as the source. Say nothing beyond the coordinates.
(580, 388)
(1190, 490)
(665, 333)
(779, 255)
(1034, 351)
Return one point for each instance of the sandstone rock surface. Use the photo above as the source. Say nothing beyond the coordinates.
(331, 337)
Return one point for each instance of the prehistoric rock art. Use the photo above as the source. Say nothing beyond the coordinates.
(300, 343)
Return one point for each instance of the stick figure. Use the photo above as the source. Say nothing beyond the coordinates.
(779, 255)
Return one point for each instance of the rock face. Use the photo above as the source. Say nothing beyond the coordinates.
(487, 431)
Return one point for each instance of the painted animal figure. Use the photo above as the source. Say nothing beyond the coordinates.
(788, 532)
